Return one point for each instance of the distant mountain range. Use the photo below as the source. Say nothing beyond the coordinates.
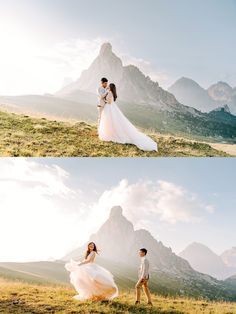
(119, 244)
(190, 93)
(142, 100)
(204, 260)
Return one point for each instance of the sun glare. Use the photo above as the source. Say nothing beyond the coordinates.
(22, 71)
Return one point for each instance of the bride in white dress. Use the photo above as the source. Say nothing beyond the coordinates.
(91, 281)
(115, 127)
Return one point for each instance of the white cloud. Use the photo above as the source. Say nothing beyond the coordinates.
(148, 201)
(21, 172)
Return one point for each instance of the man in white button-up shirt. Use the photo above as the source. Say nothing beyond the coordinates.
(102, 93)
(143, 278)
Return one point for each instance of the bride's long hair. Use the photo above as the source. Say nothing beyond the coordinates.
(88, 250)
(113, 90)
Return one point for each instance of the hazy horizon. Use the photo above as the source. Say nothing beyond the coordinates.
(46, 44)
(51, 206)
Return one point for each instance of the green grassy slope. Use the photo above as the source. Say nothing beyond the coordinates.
(20, 298)
(215, 126)
(30, 137)
(37, 272)
(231, 281)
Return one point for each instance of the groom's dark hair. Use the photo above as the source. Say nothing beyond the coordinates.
(144, 251)
(104, 80)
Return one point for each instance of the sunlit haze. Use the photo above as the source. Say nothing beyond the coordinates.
(45, 44)
(49, 207)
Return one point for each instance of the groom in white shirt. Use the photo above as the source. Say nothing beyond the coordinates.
(102, 94)
(143, 278)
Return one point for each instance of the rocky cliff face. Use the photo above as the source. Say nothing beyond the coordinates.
(136, 87)
(107, 64)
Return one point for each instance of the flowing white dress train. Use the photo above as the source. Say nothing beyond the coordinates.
(91, 281)
(115, 127)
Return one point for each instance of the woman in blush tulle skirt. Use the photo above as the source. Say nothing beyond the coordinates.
(91, 281)
(115, 127)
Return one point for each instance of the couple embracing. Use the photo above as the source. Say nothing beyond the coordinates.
(93, 282)
(113, 126)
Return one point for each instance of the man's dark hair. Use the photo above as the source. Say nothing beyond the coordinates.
(104, 80)
(144, 251)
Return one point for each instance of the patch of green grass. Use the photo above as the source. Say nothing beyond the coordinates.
(24, 298)
(30, 137)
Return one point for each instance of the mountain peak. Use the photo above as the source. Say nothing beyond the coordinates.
(116, 211)
(190, 93)
(184, 78)
(187, 81)
(197, 245)
(106, 48)
(206, 261)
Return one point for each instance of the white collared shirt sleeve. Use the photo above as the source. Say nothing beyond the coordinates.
(144, 270)
(101, 92)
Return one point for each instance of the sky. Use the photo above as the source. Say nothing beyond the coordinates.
(50, 206)
(46, 44)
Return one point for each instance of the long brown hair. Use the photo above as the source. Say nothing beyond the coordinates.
(113, 90)
(88, 250)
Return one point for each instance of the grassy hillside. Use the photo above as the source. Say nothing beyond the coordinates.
(19, 298)
(54, 273)
(33, 137)
(48, 105)
(215, 126)
(180, 120)
(35, 273)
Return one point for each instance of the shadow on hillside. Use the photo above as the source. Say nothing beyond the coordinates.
(20, 307)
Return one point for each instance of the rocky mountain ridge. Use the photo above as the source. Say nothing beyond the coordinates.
(204, 260)
(190, 93)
